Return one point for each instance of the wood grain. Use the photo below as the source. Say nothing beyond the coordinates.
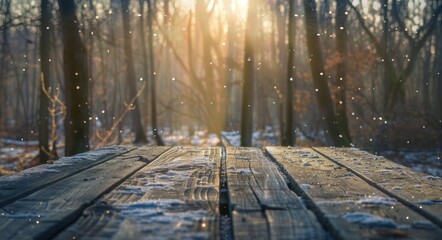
(348, 206)
(174, 197)
(262, 205)
(44, 213)
(417, 190)
(19, 185)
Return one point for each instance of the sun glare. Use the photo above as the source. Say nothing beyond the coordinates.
(239, 7)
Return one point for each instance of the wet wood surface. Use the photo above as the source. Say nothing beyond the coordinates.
(127, 192)
(261, 203)
(347, 204)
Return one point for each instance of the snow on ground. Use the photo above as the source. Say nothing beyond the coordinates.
(17, 155)
(369, 220)
(18, 142)
(428, 161)
(16, 158)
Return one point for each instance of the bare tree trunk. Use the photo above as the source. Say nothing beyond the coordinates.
(145, 62)
(249, 77)
(154, 116)
(3, 64)
(426, 73)
(231, 22)
(76, 82)
(386, 38)
(137, 127)
(282, 60)
(341, 68)
(438, 70)
(43, 121)
(290, 138)
(323, 96)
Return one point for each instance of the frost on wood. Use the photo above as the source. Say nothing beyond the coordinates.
(369, 220)
(175, 195)
(58, 165)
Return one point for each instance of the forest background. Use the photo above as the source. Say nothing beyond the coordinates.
(76, 75)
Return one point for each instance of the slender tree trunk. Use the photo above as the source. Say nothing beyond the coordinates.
(290, 81)
(386, 38)
(426, 73)
(43, 121)
(341, 68)
(137, 127)
(438, 71)
(76, 81)
(323, 96)
(90, 68)
(4, 64)
(248, 77)
(282, 60)
(145, 62)
(231, 22)
(153, 107)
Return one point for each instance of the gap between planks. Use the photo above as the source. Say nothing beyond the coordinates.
(262, 205)
(403, 199)
(334, 192)
(176, 196)
(48, 211)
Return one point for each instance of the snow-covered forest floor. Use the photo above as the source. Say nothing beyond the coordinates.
(16, 155)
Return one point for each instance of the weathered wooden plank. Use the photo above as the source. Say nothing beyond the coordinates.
(417, 190)
(348, 206)
(24, 183)
(174, 197)
(49, 210)
(250, 224)
(262, 205)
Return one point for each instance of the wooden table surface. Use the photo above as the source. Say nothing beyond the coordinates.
(126, 192)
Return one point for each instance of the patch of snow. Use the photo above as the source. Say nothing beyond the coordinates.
(385, 171)
(131, 189)
(233, 137)
(423, 224)
(309, 155)
(429, 170)
(369, 220)
(18, 142)
(430, 202)
(377, 201)
(157, 185)
(432, 177)
(212, 140)
(244, 171)
(196, 140)
(168, 219)
(242, 157)
(306, 186)
(394, 167)
(21, 215)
